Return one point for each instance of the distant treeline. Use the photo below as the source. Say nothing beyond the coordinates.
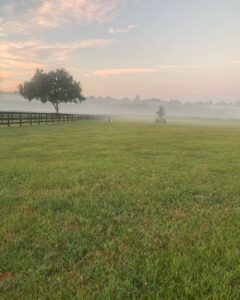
(157, 101)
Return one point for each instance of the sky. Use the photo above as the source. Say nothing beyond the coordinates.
(184, 49)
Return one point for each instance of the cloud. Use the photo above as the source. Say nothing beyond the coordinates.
(36, 50)
(49, 14)
(20, 59)
(54, 13)
(126, 71)
(123, 71)
(117, 30)
(10, 85)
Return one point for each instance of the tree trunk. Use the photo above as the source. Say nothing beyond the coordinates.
(56, 107)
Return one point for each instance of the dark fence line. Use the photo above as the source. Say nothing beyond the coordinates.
(21, 118)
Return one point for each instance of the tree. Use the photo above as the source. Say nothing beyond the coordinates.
(137, 98)
(55, 87)
(161, 112)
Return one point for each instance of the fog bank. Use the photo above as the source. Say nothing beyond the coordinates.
(124, 108)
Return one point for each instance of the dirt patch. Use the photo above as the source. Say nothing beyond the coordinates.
(204, 166)
(180, 214)
(5, 276)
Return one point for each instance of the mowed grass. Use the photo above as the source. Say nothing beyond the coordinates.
(120, 211)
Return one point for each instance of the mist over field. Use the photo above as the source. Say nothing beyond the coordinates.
(124, 108)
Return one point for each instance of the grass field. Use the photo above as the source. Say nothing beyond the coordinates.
(120, 211)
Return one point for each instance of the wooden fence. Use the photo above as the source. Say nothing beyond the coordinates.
(21, 118)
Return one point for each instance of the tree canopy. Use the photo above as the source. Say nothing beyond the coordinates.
(161, 112)
(55, 87)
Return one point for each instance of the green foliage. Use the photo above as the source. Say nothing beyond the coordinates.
(120, 211)
(55, 87)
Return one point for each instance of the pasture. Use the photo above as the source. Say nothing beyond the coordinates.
(100, 210)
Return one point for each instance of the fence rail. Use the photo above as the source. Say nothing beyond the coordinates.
(21, 118)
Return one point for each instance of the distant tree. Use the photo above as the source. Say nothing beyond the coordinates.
(161, 113)
(92, 98)
(175, 101)
(55, 87)
(137, 98)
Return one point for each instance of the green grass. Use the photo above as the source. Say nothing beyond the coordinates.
(120, 211)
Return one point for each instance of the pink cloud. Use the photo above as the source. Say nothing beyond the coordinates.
(77, 11)
(10, 85)
(19, 60)
(37, 51)
(124, 71)
(57, 13)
